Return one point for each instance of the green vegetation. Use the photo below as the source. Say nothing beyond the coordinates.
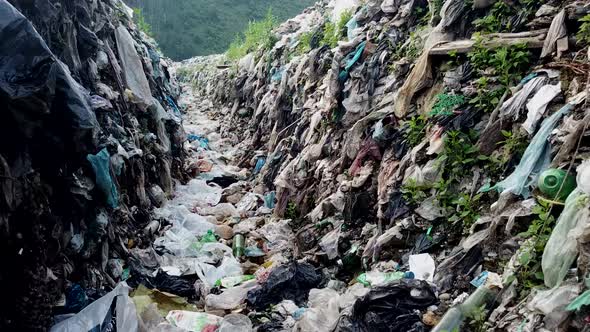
(413, 193)
(583, 35)
(416, 130)
(291, 212)
(142, 25)
(447, 103)
(486, 99)
(258, 34)
(330, 34)
(501, 16)
(333, 32)
(187, 28)
(477, 322)
(530, 274)
(509, 63)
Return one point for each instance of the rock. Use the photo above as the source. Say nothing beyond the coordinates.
(444, 297)
(224, 231)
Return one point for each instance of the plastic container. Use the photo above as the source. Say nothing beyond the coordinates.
(239, 245)
(551, 181)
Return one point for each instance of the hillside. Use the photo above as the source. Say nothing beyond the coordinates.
(200, 27)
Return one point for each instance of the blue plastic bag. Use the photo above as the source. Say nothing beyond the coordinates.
(101, 164)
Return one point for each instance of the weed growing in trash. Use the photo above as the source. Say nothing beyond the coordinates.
(141, 22)
(478, 319)
(529, 274)
(466, 210)
(583, 35)
(414, 193)
(498, 19)
(258, 34)
(334, 31)
(508, 62)
(486, 99)
(416, 130)
(304, 45)
(291, 212)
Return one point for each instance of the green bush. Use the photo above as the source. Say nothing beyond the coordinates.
(140, 21)
(583, 34)
(258, 34)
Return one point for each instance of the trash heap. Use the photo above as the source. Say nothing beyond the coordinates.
(427, 172)
(91, 139)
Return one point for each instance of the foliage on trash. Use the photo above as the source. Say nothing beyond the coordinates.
(259, 34)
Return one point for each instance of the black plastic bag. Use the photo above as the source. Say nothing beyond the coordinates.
(291, 281)
(397, 306)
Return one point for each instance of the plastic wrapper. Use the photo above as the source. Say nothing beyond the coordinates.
(235, 323)
(192, 321)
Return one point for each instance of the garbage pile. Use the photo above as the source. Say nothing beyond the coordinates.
(427, 172)
(92, 137)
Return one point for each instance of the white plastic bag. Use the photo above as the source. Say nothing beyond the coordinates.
(95, 313)
(323, 312)
(422, 266)
(235, 323)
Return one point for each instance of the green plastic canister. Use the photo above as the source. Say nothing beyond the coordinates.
(551, 181)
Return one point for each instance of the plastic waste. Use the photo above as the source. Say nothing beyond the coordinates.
(76, 299)
(230, 298)
(391, 307)
(192, 321)
(556, 184)
(583, 178)
(94, 314)
(290, 281)
(322, 313)
(454, 317)
(259, 164)
(538, 105)
(377, 278)
(351, 60)
(269, 200)
(552, 303)
(562, 248)
(536, 157)
(202, 141)
(101, 164)
(229, 282)
(132, 66)
(422, 266)
(235, 323)
(238, 245)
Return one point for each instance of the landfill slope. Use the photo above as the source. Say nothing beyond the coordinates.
(378, 165)
(91, 139)
(440, 141)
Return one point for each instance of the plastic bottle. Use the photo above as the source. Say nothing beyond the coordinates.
(454, 317)
(551, 181)
(238, 245)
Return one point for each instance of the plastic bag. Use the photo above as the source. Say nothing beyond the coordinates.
(583, 178)
(229, 282)
(378, 278)
(291, 281)
(393, 307)
(101, 164)
(230, 298)
(94, 314)
(132, 67)
(322, 313)
(562, 248)
(192, 321)
(235, 323)
(422, 266)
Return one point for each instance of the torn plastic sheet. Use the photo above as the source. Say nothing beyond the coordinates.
(536, 157)
(192, 321)
(538, 104)
(132, 67)
(94, 315)
(101, 164)
(562, 248)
